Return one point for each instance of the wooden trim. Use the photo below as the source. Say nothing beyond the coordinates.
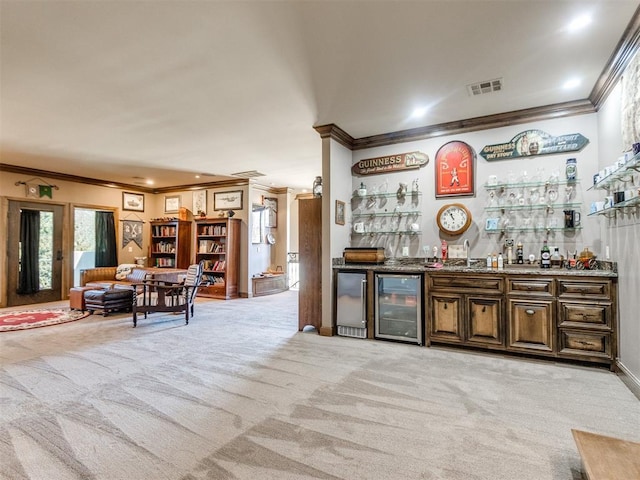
(624, 52)
(72, 178)
(327, 331)
(124, 186)
(558, 110)
(628, 378)
(336, 133)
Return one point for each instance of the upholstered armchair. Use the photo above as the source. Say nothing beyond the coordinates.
(161, 296)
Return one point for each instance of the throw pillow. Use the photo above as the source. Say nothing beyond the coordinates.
(124, 269)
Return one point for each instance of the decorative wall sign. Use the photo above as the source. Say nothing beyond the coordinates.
(534, 142)
(390, 163)
(34, 190)
(132, 232)
(455, 170)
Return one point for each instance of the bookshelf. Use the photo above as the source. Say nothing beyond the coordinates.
(218, 248)
(170, 245)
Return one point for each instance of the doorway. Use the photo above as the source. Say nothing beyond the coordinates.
(35, 277)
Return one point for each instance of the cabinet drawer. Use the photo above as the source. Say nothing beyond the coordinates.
(531, 326)
(585, 315)
(581, 343)
(530, 287)
(467, 283)
(582, 288)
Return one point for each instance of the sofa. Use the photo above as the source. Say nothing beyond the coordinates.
(122, 276)
(126, 275)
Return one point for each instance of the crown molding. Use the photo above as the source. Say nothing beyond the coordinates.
(123, 186)
(334, 132)
(627, 48)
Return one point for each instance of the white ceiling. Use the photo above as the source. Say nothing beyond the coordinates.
(128, 90)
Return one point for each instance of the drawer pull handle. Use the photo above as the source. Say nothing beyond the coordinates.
(484, 309)
(584, 317)
(445, 306)
(529, 311)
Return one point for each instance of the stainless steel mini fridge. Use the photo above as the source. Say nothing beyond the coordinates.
(351, 304)
(398, 307)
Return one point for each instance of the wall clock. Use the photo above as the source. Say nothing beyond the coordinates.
(453, 219)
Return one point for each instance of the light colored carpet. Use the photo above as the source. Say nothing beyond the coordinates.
(240, 394)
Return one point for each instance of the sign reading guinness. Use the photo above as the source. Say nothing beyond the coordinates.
(390, 163)
(534, 142)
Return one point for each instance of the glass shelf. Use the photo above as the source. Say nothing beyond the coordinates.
(413, 213)
(620, 174)
(533, 229)
(408, 194)
(542, 183)
(388, 232)
(632, 202)
(534, 206)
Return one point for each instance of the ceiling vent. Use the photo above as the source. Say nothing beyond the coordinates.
(487, 86)
(248, 174)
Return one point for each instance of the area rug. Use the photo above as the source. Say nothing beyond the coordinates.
(21, 320)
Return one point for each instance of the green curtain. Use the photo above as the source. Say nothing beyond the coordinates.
(106, 254)
(29, 275)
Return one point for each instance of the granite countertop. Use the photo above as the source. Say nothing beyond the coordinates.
(478, 266)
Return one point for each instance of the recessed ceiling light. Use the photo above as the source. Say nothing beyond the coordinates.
(419, 112)
(579, 23)
(149, 182)
(572, 83)
(197, 176)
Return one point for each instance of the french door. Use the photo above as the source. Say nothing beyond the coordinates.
(43, 254)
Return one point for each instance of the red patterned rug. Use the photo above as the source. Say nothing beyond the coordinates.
(21, 320)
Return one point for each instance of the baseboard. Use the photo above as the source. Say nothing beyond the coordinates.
(327, 331)
(628, 378)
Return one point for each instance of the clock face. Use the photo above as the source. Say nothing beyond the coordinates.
(453, 219)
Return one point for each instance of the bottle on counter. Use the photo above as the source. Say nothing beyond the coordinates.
(494, 261)
(519, 254)
(489, 261)
(556, 261)
(545, 256)
(500, 262)
(444, 250)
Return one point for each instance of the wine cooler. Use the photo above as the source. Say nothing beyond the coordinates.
(398, 307)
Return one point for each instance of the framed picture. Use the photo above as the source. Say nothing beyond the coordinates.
(227, 200)
(172, 204)
(200, 202)
(257, 223)
(133, 201)
(455, 175)
(339, 212)
(271, 205)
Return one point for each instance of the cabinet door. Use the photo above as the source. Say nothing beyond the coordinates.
(484, 322)
(531, 325)
(446, 318)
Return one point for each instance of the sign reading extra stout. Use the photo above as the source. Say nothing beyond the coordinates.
(390, 163)
(534, 142)
(455, 163)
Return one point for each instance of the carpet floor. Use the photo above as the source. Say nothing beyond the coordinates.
(239, 393)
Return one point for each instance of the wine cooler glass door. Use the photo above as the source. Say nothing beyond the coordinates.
(398, 307)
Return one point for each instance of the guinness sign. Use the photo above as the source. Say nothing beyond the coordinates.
(390, 163)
